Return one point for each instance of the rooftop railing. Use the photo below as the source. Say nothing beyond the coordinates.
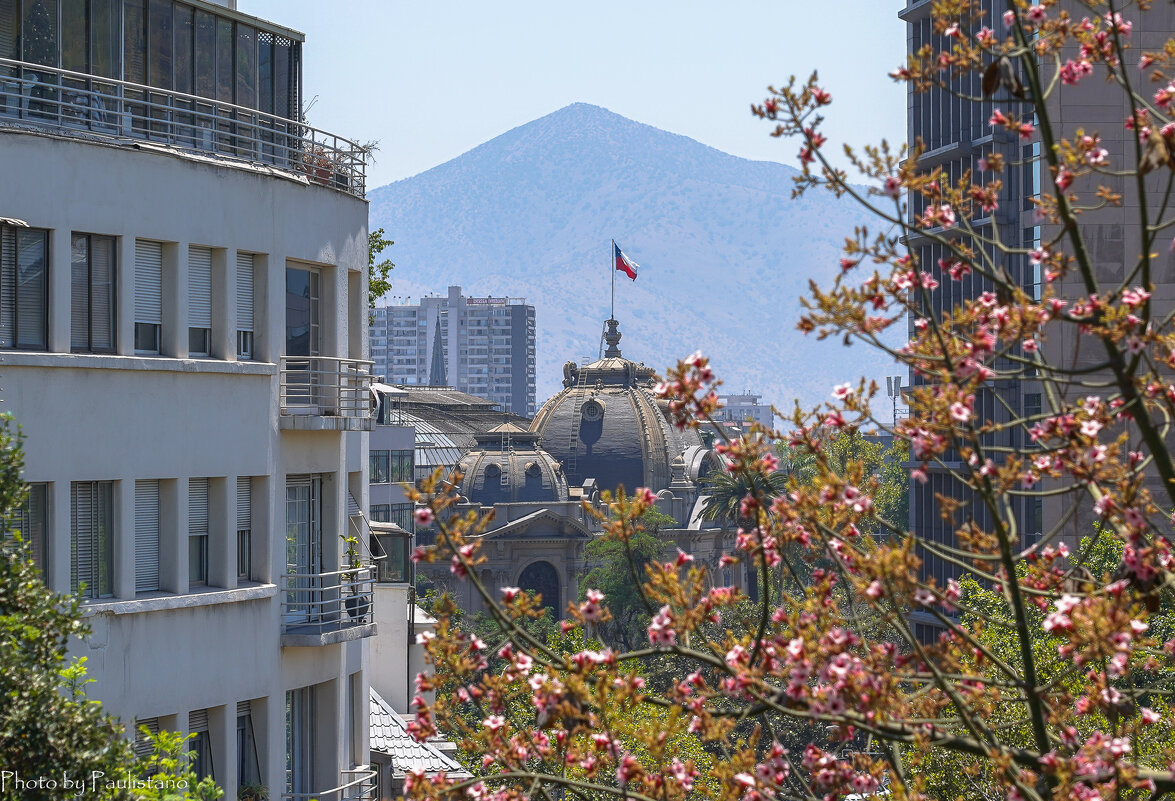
(79, 104)
(360, 786)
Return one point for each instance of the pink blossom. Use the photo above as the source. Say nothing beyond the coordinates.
(494, 722)
(424, 516)
(661, 630)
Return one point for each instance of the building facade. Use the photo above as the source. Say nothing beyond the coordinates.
(956, 134)
(483, 346)
(183, 342)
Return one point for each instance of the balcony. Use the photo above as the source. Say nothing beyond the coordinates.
(36, 97)
(323, 393)
(359, 787)
(327, 608)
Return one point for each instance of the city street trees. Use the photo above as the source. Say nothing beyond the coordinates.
(1029, 664)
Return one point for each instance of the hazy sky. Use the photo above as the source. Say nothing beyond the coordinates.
(431, 79)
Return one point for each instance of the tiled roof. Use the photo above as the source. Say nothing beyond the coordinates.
(389, 736)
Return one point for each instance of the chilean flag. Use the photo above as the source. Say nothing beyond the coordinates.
(623, 263)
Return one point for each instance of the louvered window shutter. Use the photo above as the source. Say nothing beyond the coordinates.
(23, 287)
(198, 720)
(200, 288)
(149, 283)
(244, 708)
(7, 287)
(82, 539)
(197, 506)
(146, 536)
(142, 744)
(244, 291)
(244, 503)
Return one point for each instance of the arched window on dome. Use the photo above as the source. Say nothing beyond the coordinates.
(532, 487)
(543, 579)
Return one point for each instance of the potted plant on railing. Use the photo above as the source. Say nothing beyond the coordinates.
(356, 603)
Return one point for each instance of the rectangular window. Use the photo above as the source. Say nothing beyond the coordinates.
(160, 43)
(197, 531)
(245, 264)
(148, 296)
(205, 77)
(199, 301)
(393, 568)
(24, 288)
(401, 515)
(380, 512)
(201, 744)
(402, 466)
(30, 520)
(244, 527)
(146, 536)
(92, 538)
(92, 294)
(380, 466)
(248, 772)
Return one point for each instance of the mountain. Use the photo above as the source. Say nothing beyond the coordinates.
(724, 251)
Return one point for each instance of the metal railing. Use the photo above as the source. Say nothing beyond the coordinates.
(76, 103)
(317, 603)
(361, 787)
(325, 386)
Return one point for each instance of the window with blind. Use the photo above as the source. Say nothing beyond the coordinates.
(199, 301)
(143, 746)
(244, 527)
(92, 538)
(245, 265)
(30, 521)
(146, 536)
(201, 744)
(197, 531)
(24, 288)
(248, 770)
(148, 296)
(91, 305)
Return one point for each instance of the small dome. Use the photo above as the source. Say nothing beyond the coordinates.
(508, 466)
(606, 424)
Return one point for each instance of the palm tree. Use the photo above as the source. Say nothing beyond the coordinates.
(723, 493)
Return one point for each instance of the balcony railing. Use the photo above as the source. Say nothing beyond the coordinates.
(323, 608)
(360, 787)
(324, 386)
(79, 104)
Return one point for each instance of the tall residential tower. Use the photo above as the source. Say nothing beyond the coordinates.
(483, 346)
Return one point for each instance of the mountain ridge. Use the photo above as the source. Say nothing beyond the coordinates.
(530, 213)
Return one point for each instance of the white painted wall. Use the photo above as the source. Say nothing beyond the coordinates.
(125, 417)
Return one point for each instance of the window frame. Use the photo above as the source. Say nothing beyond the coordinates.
(376, 459)
(11, 236)
(31, 519)
(99, 583)
(91, 296)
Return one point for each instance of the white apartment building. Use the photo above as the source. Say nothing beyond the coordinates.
(182, 341)
(483, 346)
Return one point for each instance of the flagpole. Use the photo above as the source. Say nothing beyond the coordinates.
(612, 258)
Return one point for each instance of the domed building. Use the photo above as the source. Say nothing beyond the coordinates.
(605, 429)
(607, 425)
(507, 466)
